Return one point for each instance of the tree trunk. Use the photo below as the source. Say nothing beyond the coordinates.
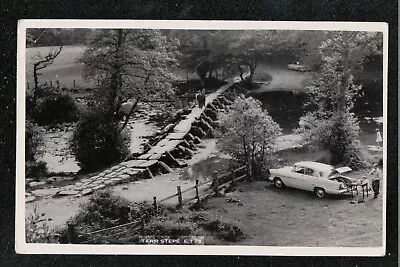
(210, 74)
(35, 89)
(252, 67)
(252, 70)
(129, 115)
(241, 73)
(345, 83)
(116, 76)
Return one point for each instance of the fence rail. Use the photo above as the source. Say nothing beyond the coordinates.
(218, 183)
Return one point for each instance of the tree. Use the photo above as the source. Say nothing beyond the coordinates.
(129, 64)
(42, 62)
(97, 142)
(248, 133)
(203, 52)
(348, 49)
(331, 124)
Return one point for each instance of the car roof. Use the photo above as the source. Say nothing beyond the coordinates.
(315, 165)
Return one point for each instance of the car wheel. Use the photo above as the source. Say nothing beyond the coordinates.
(278, 183)
(320, 192)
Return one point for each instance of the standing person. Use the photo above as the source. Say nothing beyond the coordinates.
(378, 138)
(201, 98)
(376, 179)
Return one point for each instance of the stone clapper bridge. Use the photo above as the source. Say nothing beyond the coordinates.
(175, 143)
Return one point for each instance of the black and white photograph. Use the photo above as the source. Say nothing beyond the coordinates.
(201, 137)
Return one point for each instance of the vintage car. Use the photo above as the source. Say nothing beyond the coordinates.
(313, 176)
(298, 67)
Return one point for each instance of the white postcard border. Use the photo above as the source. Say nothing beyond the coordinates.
(27, 248)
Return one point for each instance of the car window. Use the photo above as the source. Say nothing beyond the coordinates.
(317, 174)
(308, 171)
(299, 169)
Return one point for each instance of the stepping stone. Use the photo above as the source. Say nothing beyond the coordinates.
(156, 156)
(99, 187)
(141, 163)
(131, 172)
(124, 176)
(176, 136)
(67, 193)
(29, 199)
(109, 182)
(145, 156)
(114, 168)
(148, 163)
(116, 181)
(87, 191)
(110, 175)
(35, 184)
(45, 192)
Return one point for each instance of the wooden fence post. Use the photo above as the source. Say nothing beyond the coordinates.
(142, 225)
(155, 206)
(72, 234)
(74, 83)
(197, 191)
(249, 171)
(178, 188)
(233, 174)
(51, 84)
(216, 183)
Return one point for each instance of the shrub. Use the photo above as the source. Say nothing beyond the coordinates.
(35, 169)
(57, 108)
(97, 141)
(104, 210)
(248, 132)
(169, 228)
(33, 141)
(337, 134)
(225, 230)
(37, 231)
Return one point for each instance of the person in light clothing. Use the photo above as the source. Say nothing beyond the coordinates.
(378, 138)
(376, 179)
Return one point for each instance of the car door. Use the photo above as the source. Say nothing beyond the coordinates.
(309, 180)
(296, 178)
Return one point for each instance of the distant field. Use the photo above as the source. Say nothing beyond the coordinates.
(65, 68)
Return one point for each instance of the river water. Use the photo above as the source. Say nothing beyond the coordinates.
(286, 108)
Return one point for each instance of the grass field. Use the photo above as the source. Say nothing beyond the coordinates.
(66, 68)
(290, 217)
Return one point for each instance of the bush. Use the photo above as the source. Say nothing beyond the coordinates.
(248, 132)
(97, 142)
(37, 231)
(169, 228)
(337, 134)
(58, 108)
(104, 210)
(33, 141)
(35, 169)
(225, 230)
